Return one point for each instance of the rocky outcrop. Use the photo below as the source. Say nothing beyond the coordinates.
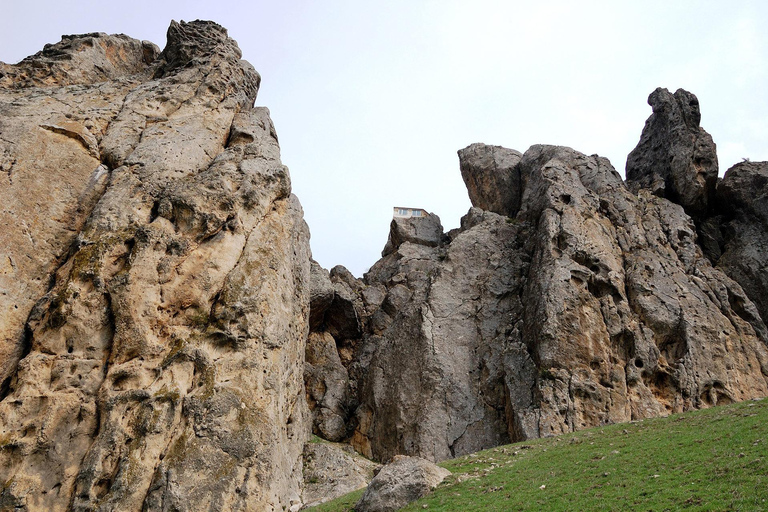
(591, 304)
(166, 341)
(400, 482)
(156, 282)
(492, 178)
(675, 157)
(738, 231)
(425, 230)
(83, 59)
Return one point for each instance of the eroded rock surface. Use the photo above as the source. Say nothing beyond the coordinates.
(332, 470)
(675, 157)
(158, 301)
(739, 230)
(155, 284)
(425, 230)
(400, 482)
(592, 305)
(492, 177)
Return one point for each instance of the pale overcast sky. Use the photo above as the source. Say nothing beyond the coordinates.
(371, 100)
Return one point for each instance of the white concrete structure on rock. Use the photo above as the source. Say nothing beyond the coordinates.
(407, 213)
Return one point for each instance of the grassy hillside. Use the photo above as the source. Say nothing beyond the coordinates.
(714, 459)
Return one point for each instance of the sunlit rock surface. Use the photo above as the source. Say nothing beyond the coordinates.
(155, 281)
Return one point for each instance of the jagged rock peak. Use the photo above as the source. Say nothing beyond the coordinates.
(190, 42)
(81, 59)
(591, 305)
(203, 44)
(675, 158)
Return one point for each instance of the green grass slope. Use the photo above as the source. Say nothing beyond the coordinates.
(714, 460)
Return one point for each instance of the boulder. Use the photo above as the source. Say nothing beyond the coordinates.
(327, 384)
(675, 158)
(400, 482)
(742, 231)
(332, 470)
(491, 177)
(321, 294)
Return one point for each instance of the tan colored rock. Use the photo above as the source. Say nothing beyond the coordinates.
(83, 59)
(163, 368)
(51, 165)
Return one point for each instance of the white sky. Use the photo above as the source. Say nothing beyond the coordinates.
(371, 100)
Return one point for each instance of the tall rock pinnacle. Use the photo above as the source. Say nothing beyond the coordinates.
(675, 157)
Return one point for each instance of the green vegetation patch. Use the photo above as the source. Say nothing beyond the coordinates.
(713, 459)
(345, 503)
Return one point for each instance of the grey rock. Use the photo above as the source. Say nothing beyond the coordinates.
(492, 179)
(675, 157)
(400, 482)
(741, 233)
(340, 274)
(425, 230)
(592, 305)
(341, 318)
(327, 384)
(165, 303)
(332, 470)
(321, 295)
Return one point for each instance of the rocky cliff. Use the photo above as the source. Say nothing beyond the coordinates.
(567, 299)
(167, 343)
(155, 277)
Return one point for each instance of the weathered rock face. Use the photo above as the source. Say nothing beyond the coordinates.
(333, 470)
(158, 300)
(84, 59)
(155, 277)
(404, 480)
(592, 305)
(51, 162)
(425, 230)
(492, 177)
(675, 157)
(738, 230)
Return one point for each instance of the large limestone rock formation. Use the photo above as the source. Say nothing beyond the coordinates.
(589, 302)
(166, 342)
(155, 278)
